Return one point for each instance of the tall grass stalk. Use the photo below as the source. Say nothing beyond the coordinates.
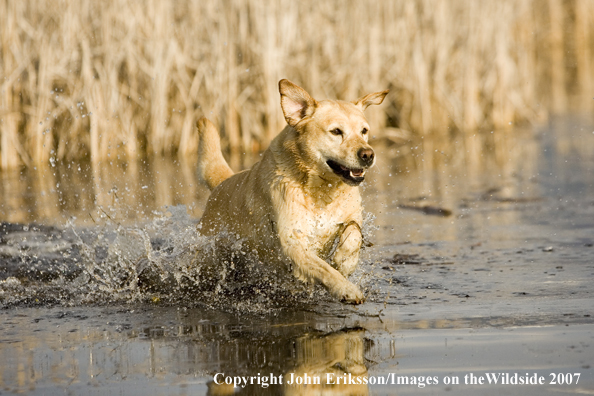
(123, 79)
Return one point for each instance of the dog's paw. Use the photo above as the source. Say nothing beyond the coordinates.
(349, 293)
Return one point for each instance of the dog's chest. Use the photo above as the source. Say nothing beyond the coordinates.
(309, 214)
(324, 224)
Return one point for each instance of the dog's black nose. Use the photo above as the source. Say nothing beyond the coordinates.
(367, 155)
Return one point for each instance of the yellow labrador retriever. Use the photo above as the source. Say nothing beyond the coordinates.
(300, 206)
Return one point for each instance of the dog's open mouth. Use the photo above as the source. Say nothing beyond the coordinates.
(350, 176)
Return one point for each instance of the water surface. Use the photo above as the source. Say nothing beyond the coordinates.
(482, 261)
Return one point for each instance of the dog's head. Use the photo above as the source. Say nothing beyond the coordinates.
(333, 134)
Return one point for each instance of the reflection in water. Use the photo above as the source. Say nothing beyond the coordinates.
(68, 350)
(332, 358)
(499, 168)
(159, 351)
(311, 363)
(453, 174)
(498, 165)
(124, 191)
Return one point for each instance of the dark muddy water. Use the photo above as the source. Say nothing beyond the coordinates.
(482, 264)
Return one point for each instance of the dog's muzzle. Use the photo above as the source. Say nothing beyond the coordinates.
(350, 176)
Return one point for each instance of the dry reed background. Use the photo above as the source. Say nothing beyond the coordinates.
(123, 79)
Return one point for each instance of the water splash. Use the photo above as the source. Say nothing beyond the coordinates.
(164, 261)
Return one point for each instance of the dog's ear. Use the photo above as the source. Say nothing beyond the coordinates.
(295, 102)
(371, 99)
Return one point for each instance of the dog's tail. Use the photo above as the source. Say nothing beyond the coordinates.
(212, 167)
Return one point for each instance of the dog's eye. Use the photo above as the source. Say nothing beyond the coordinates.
(364, 131)
(336, 131)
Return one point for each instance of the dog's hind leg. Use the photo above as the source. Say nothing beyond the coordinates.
(212, 167)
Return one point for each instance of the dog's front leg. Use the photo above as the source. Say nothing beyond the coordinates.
(346, 255)
(307, 266)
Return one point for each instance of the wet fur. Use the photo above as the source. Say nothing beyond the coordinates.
(291, 205)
